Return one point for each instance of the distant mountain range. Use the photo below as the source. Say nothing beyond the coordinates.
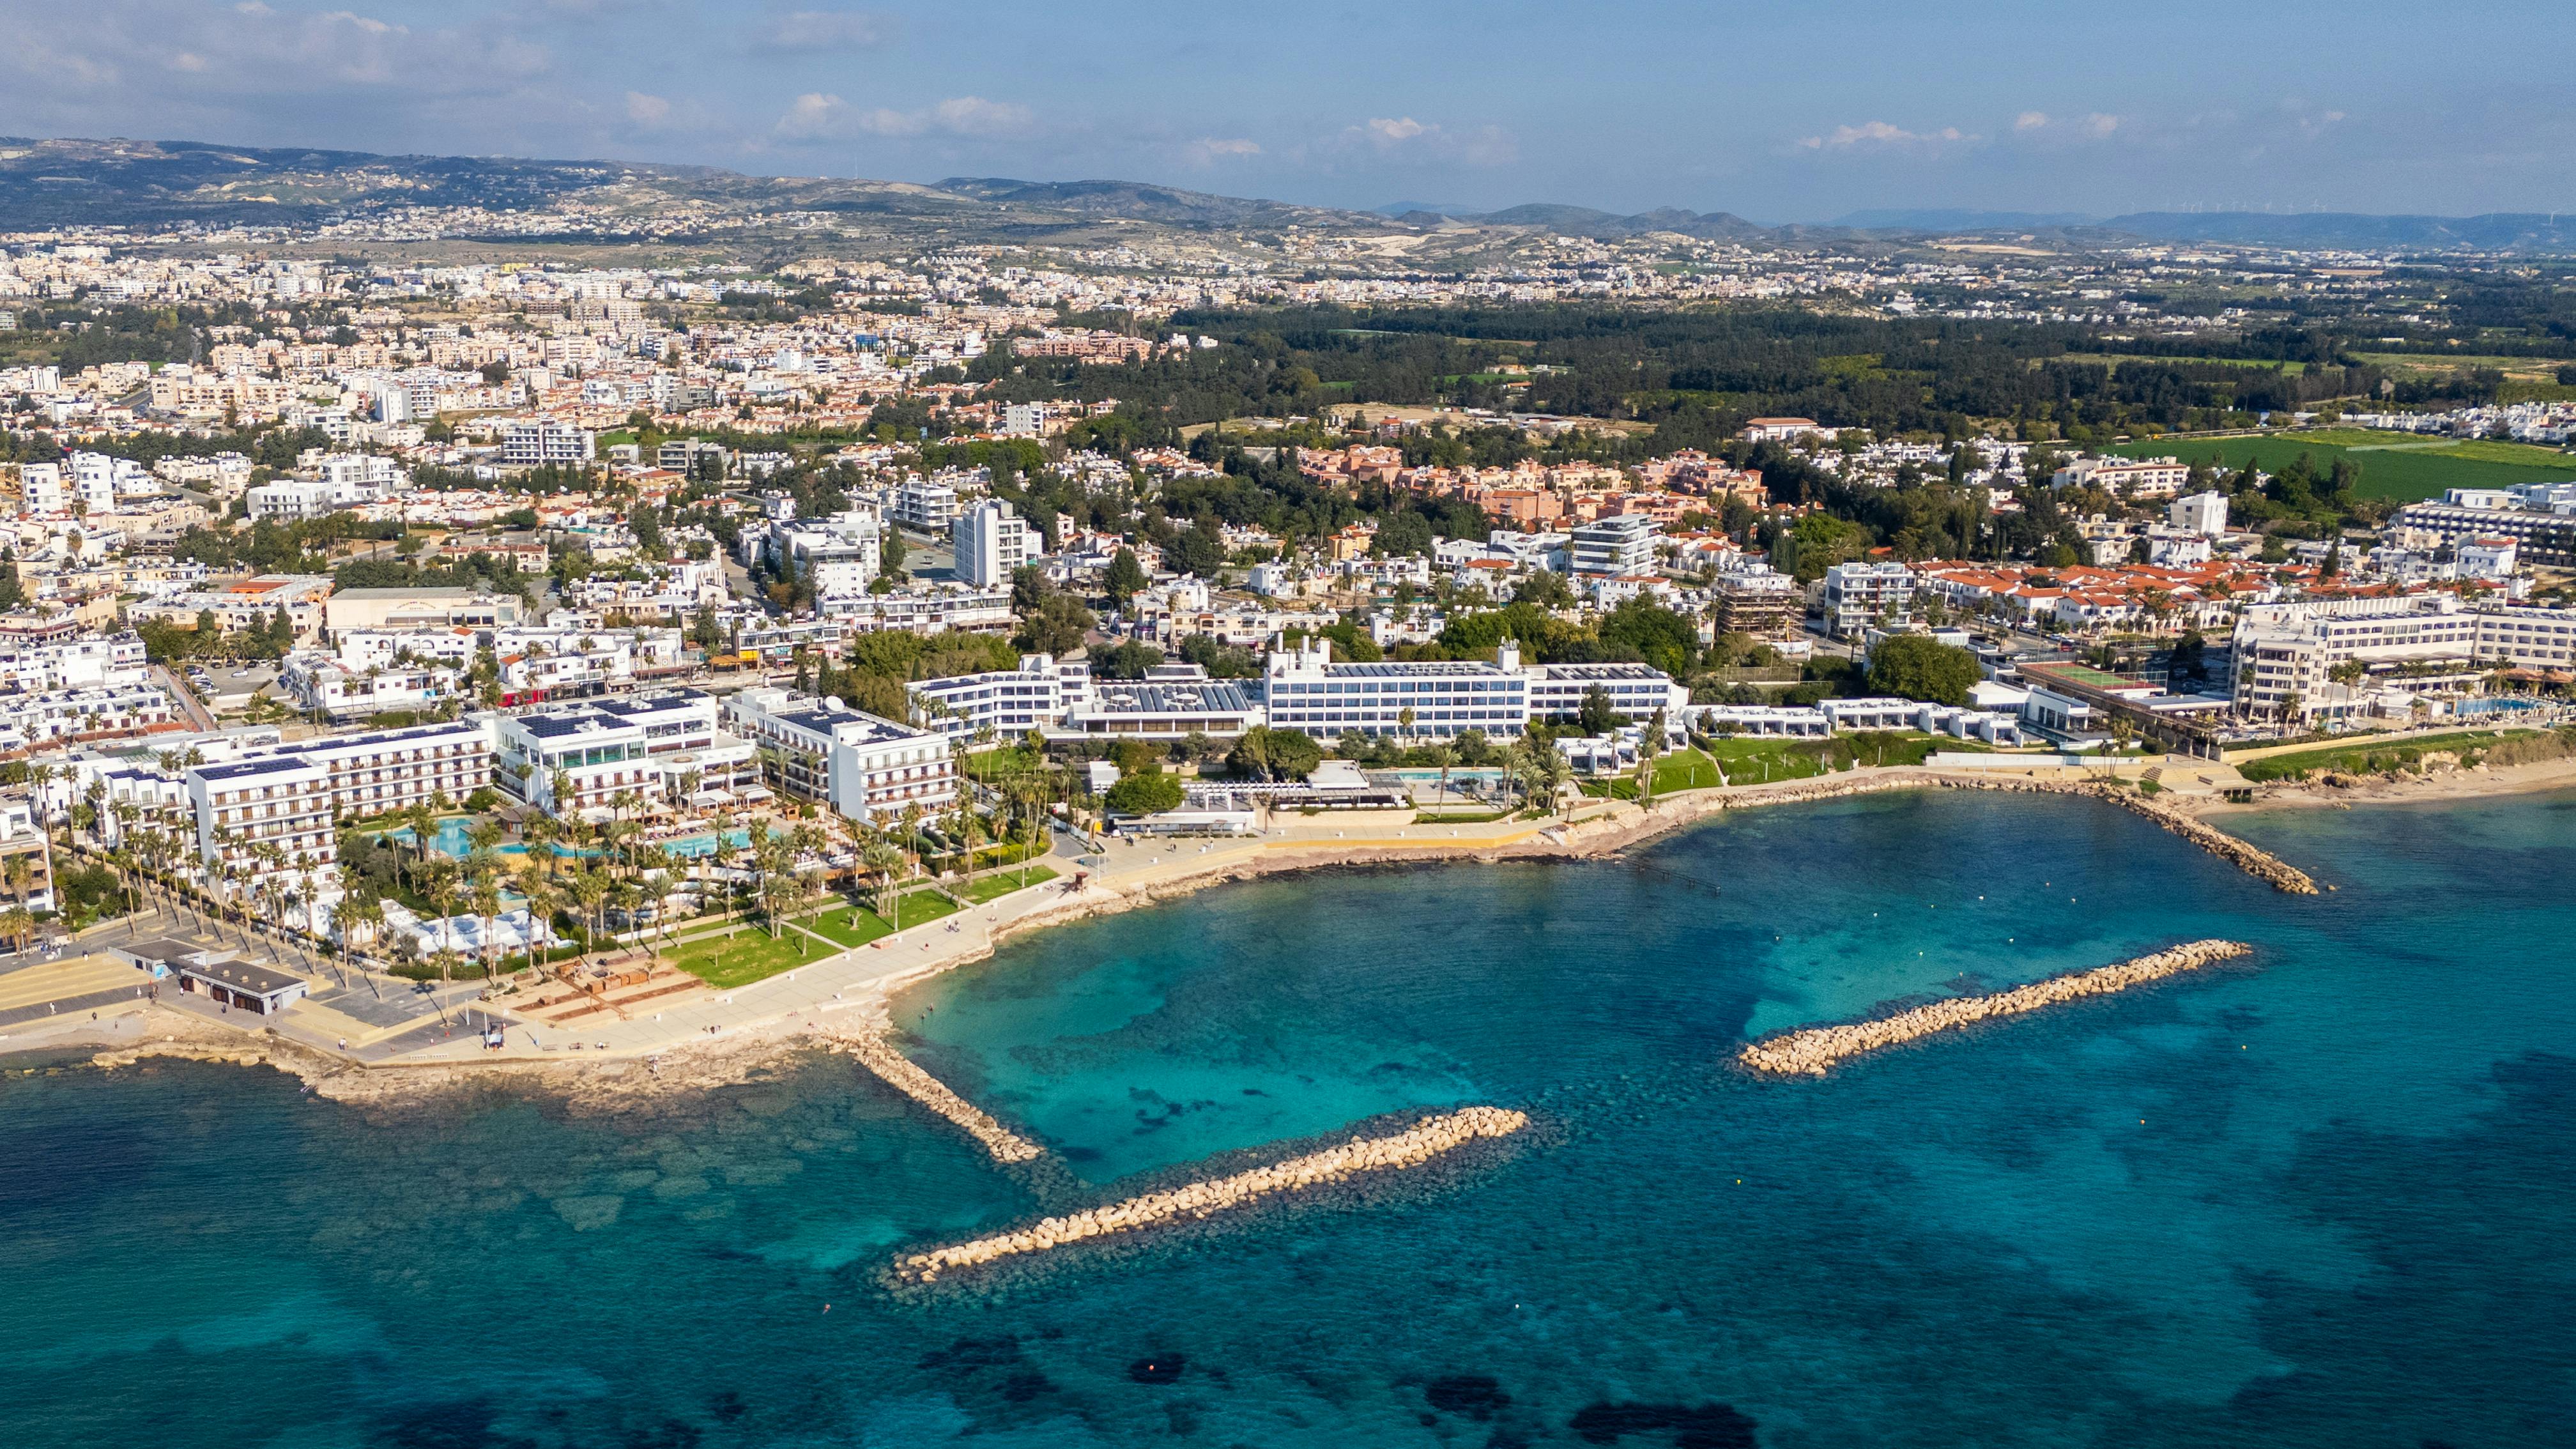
(155, 183)
(2526, 231)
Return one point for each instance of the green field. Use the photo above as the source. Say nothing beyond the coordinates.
(2114, 359)
(2393, 465)
(746, 956)
(993, 887)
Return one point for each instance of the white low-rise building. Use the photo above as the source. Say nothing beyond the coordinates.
(867, 768)
(586, 757)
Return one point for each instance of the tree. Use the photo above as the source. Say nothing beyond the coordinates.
(1125, 660)
(1058, 626)
(1147, 794)
(1269, 754)
(1126, 577)
(1916, 666)
(1597, 715)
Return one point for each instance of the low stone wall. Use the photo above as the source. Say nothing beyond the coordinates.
(879, 1056)
(1421, 1143)
(1810, 1050)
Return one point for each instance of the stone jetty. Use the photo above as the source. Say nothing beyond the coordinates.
(1417, 1145)
(879, 1056)
(2253, 860)
(1810, 1050)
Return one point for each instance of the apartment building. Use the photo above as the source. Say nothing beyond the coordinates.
(91, 662)
(2287, 654)
(410, 610)
(1007, 702)
(840, 554)
(669, 747)
(2130, 477)
(264, 817)
(2539, 518)
(2201, 513)
(924, 504)
(867, 768)
(1636, 691)
(320, 682)
(1858, 595)
(1308, 691)
(1623, 543)
(1172, 702)
(920, 608)
(991, 542)
(539, 441)
(292, 498)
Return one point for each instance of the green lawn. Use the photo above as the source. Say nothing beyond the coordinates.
(850, 926)
(1486, 818)
(2393, 465)
(994, 887)
(744, 957)
(854, 926)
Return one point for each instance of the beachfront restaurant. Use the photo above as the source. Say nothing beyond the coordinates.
(228, 982)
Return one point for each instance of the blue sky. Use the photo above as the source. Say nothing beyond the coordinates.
(1776, 112)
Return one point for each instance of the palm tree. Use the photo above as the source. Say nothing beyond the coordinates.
(447, 892)
(589, 890)
(880, 856)
(17, 923)
(543, 901)
(1444, 756)
(487, 906)
(361, 914)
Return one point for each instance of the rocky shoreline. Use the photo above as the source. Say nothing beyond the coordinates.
(2252, 859)
(1810, 1051)
(1422, 1143)
(700, 1064)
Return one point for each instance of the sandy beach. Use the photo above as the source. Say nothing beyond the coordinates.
(726, 1036)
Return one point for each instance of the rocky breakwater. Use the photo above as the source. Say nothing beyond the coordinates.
(1810, 1050)
(1411, 1148)
(2253, 860)
(879, 1056)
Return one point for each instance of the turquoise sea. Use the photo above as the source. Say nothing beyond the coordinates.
(2326, 1199)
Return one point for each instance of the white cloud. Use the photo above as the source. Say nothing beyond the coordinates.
(1885, 136)
(1409, 139)
(827, 30)
(647, 110)
(1208, 150)
(2091, 126)
(816, 116)
(248, 67)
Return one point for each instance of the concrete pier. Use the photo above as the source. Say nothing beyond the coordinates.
(1810, 1050)
(1411, 1148)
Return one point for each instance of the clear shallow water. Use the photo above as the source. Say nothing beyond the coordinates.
(2325, 1201)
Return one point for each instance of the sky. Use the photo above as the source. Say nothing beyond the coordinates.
(1774, 112)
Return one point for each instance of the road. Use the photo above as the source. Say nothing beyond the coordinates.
(199, 717)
